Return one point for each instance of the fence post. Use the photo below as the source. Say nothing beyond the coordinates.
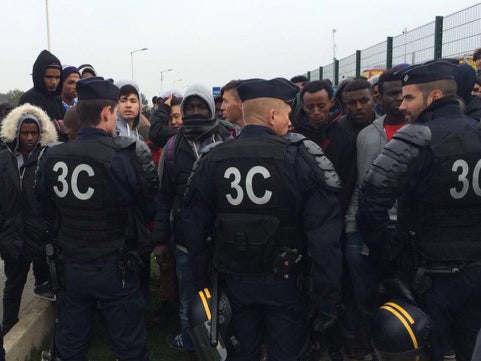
(389, 53)
(336, 72)
(320, 73)
(358, 63)
(308, 76)
(438, 37)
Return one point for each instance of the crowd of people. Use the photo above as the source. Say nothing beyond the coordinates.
(301, 219)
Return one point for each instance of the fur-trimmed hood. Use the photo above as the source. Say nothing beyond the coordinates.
(12, 122)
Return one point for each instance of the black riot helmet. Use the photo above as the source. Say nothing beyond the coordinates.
(401, 332)
(209, 343)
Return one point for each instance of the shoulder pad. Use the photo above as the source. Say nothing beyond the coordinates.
(392, 164)
(418, 134)
(294, 138)
(124, 142)
(312, 147)
(149, 171)
(143, 152)
(321, 165)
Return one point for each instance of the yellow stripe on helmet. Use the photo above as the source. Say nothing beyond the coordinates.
(207, 293)
(205, 304)
(402, 310)
(406, 325)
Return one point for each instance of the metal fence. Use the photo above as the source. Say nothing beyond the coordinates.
(453, 36)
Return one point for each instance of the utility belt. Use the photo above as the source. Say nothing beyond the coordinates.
(129, 261)
(422, 282)
(287, 262)
(55, 266)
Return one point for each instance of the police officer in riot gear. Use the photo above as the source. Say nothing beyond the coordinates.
(95, 184)
(269, 201)
(432, 166)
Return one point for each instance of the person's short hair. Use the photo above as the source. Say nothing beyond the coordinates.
(127, 90)
(315, 86)
(154, 99)
(447, 86)
(477, 54)
(388, 75)
(175, 101)
(357, 84)
(299, 79)
(89, 110)
(232, 86)
(71, 119)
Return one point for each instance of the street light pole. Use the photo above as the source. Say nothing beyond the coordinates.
(48, 27)
(132, 59)
(162, 78)
(405, 31)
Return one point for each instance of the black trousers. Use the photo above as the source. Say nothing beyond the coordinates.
(89, 283)
(16, 271)
(265, 305)
(453, 303)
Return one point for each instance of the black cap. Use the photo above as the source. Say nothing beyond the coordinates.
(428, 72)
(278, 88)
(97, 88)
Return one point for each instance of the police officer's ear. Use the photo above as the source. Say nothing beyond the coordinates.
(435, 95)
(107, 112)
(271, 117)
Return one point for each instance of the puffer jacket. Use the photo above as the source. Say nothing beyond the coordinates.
(22, 230)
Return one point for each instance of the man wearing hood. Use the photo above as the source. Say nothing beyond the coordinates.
(129, 111)
(47, 77)
(200, 129)
(465, 80)
(25, 132)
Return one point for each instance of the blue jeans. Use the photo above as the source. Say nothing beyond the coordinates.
(186, 291)
(364, 274)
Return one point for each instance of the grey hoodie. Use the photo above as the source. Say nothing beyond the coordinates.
(200, 91)
(122, 128)
(370, 143)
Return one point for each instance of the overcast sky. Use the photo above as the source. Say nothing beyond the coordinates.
(202, 41)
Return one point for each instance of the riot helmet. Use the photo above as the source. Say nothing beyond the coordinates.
(401, 332)
(209, 342)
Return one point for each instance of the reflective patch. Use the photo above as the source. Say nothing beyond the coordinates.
(205, 304)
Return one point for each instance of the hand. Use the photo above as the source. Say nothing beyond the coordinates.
(163, 256)
(60, 125)
(168, 101)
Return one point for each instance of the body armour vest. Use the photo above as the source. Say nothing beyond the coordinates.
(91, 224)
(253, 219)
(449, 204)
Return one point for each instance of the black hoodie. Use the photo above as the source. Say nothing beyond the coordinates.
(38, 95)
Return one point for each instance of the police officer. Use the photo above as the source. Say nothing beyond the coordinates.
(432, 166)
(267, 199)
(95, 183)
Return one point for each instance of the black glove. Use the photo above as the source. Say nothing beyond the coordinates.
(395, 288)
